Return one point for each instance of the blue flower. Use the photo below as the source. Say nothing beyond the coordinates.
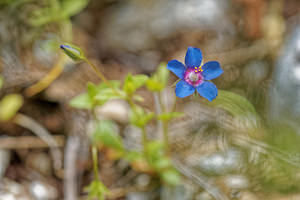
(195, 76)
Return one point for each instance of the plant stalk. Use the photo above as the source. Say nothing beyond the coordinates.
(48, 79)
(95, 161)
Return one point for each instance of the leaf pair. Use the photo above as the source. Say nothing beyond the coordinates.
(134, 82)
(139, 117)
(96, 190)
(97, 95)
(161, 163)
(106, 135)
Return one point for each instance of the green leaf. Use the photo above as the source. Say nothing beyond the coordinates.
(74, 52)
(9, 106)
(139, 117)
(96, 190)
(133, 156)
(138, 98)
(163, 74)
(82, 101)
(72, 7)
(158, 81)
(106, 135)
(139, 80)
(97, 95)
(132, 83)
(235, 104)
(155, 155)
(162, 163)
(167, 116)
(109, 94)
(92, 89)
(171, 176)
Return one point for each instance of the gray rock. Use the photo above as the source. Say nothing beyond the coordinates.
(237, 182)
(284, 95)
(138, 196)
(220, 163)
(161, 19)
(43, 191)
(255, 71)
(181, 192)
(117, 110)
(10, 190)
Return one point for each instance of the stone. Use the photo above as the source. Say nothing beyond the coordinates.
(284, 95)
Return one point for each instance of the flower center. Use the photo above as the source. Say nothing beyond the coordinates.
(193, 78)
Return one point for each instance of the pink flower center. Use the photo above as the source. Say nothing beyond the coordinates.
(193, 78)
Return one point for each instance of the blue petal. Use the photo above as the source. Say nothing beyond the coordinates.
(183, 89)
(211, 70)
(208, 90)
(177, 68)
(193, 57)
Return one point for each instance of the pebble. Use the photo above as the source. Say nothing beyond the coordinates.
(43, 191)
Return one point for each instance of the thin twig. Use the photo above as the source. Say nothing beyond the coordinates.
(70, 182)
(28, 142)
(158, 112)
(48, 79)
(40, 131)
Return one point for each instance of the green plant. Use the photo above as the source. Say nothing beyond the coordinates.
(155, 154)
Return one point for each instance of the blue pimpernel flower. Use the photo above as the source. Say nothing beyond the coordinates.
(195, 76)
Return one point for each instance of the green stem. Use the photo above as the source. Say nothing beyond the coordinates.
(101, 76)
(164, 125)
(99, 73)
(166, 135)
(95, 162)
(144, 138)
(143, 129)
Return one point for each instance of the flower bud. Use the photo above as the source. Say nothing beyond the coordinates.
(75, 53)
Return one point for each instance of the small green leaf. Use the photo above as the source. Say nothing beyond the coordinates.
(158, 81)
(138, 98)
(9, 106)
(106, 135)
(139, 117)
(92, 89)
(96, 190)
(133, 156)
(171, 176)
(109, 94)
(74, 52)
(139, 80)
(163, 74)
(72, 7)
(162, 163)
(82, 101)
(167, 116)
(132, 83)
(155, 155)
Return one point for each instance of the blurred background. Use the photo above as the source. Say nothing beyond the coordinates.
(247, 150)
